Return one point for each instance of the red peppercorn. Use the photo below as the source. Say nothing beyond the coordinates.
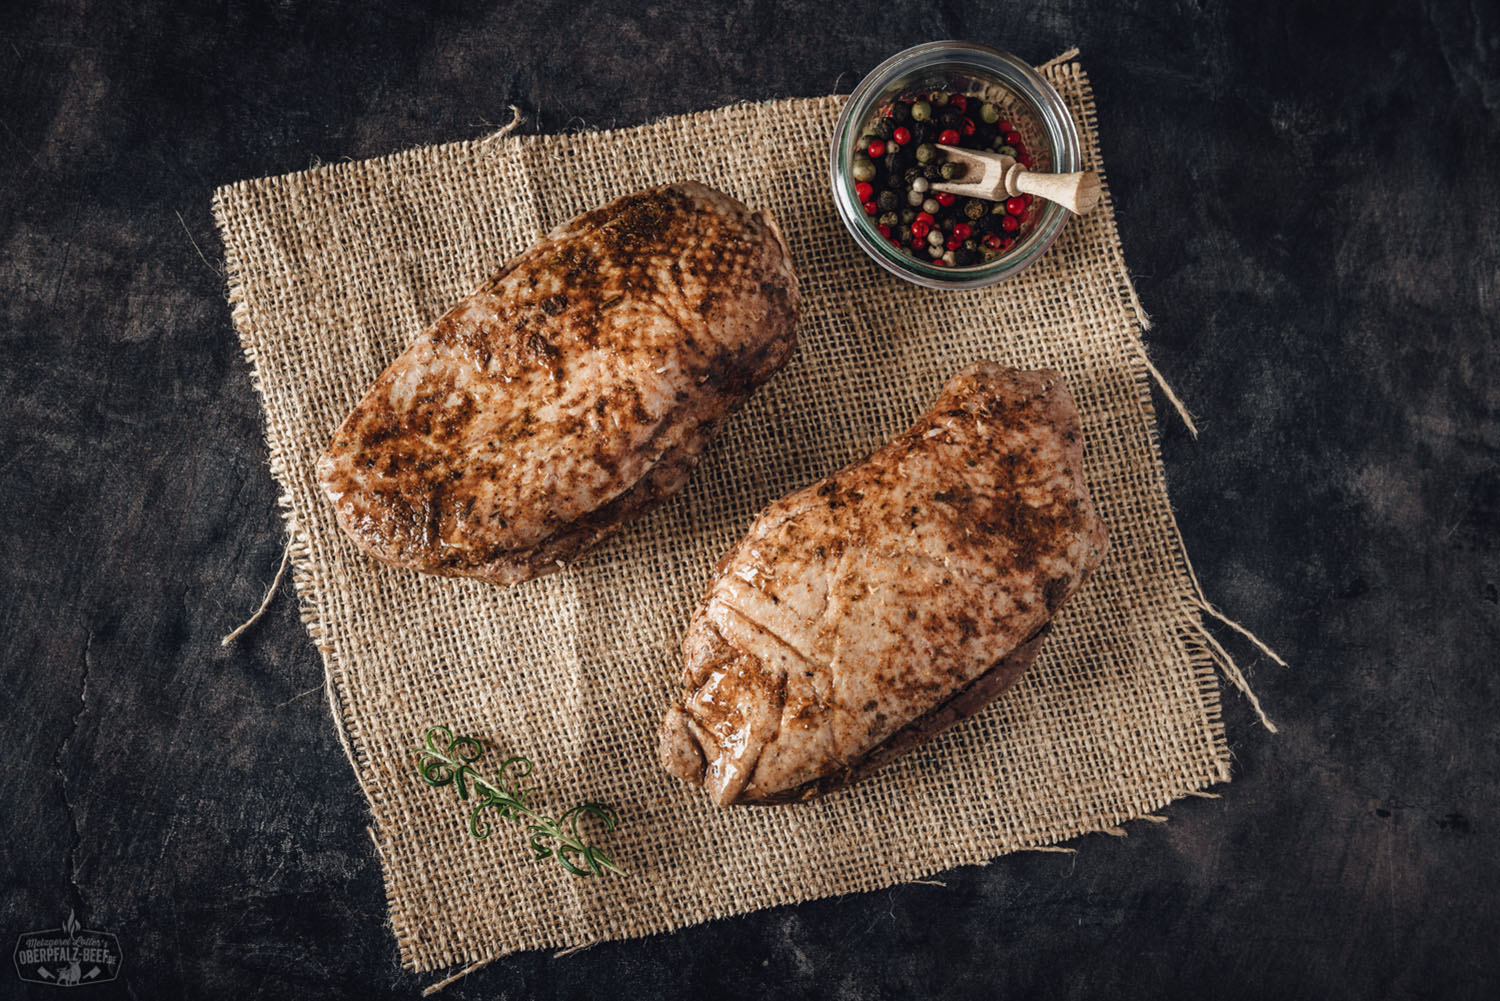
(1012, 138)
(895, 243)
(927, 218)
(945, 198)
(902, 134)
(1026, 160)
(871, 208)
(938, 262)
(968, 126)
(917, 244)
(991, 240)
(920, 229)
(864, 190)
(953, 243)
(883, 230)
(948, 137)
(962, 231)
(1003, 126)
(959, 101)
(1015, 206)
(1010, 224)
(1026, 197)
(1020, 149)
(877, 149)
(1006, 243)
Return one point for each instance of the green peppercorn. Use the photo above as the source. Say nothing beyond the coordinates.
(863, 169)
(864, 141)
(971, 244)
(975, 209)
(987, 255)
(1005, 150)
(988, 113)
(921, 111)
(926, 153)
(939, 97)
(951, 170)
(888, 218)
(908, 216)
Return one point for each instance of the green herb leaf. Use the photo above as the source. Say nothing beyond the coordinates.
(448, 760)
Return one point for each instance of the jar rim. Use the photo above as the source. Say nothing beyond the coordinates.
(980, 62)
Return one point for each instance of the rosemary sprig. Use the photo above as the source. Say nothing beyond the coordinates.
(447, 760)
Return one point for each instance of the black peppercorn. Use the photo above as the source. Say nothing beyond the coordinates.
(900, 113)
(888, 201)
(884, 128)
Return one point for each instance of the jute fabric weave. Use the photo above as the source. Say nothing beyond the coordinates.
(334, 270)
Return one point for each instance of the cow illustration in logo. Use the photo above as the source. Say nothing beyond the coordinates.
(71, 975)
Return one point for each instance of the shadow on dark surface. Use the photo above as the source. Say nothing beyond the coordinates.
(1329, 323)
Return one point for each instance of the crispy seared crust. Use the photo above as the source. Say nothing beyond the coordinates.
(573, 392)
(866, 613)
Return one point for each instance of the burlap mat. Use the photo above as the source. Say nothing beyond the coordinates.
(332, 272)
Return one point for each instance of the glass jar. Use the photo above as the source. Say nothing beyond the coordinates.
(1027, 100)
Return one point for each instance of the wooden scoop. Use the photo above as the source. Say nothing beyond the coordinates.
(995, 177)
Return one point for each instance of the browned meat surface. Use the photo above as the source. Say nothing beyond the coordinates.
(866, 613)
(577, 389)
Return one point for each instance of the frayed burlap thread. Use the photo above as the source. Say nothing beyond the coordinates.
(334, 270)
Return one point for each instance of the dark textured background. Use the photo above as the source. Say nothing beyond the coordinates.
(1309, 199)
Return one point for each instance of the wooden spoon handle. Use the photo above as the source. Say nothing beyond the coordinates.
(1076, 192)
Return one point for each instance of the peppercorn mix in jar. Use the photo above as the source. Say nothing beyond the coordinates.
(897, 160)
